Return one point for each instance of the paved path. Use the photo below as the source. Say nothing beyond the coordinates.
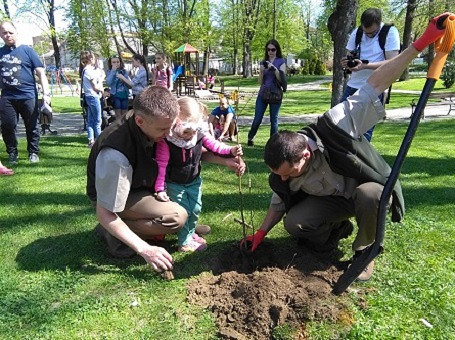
(72, 123)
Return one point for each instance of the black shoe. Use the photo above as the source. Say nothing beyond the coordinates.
(12, 158)
(343, 231)
(115, 247)
(250, 142)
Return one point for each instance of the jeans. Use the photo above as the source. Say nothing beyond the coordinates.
(189, 196)
(93, 117)
(349, 91)
(261, 106)
(10, 109)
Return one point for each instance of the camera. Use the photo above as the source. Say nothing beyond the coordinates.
(351, 57)
(264, 63)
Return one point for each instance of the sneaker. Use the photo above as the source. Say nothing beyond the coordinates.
(115, 247)
(365, 275)
(250, 142)
(203, 229)
(198, 239)
(33, 157)
(12, 158)
(192, 246)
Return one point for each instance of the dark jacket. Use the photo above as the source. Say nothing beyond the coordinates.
(346, 156)
(126, 137)
(184, 164)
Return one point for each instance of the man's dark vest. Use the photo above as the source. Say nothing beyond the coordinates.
(126, 137)
(346, 156)
(184, 164)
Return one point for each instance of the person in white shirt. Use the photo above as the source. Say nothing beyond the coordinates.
(371, 54)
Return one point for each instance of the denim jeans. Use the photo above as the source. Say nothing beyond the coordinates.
(349, 91)
(189, 196)
(261, 106)
(10, 109)
(93, 117)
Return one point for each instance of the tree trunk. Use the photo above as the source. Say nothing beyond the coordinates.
(205, 63)
(247, 67)
(51, 16)
(6, 7)
(431, 11)
(341, 22)
(250, 20)
(407, 33)
(111, 25)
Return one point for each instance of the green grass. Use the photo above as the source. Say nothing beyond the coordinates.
(57, 281)
(234, 81)
(416, 84)
(66, 104)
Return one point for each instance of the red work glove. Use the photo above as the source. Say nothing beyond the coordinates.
(432, 33)
(255, 239)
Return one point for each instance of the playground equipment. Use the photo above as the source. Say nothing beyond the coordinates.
(186, 69)
(443, 48)
(58, 77)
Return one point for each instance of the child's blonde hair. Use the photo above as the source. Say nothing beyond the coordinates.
(192, 110)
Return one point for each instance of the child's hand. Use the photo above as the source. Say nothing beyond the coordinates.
(162, 196)
(237, 150)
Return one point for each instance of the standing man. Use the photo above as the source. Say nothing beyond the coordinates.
(328, 173)
(371, 44)
(18, 66)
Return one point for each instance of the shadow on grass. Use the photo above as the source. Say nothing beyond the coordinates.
(83, 252)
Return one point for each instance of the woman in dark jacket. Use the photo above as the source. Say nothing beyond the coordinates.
(271, 77)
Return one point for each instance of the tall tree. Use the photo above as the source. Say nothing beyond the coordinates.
(341, 22)
(407, 31)
(250, 21)
(6, 7)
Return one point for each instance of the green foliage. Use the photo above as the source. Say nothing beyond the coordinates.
(448, 74)
(319, 68)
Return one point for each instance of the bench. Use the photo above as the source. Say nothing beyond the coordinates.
(443, 99)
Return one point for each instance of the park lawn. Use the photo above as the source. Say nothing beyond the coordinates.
(417, 83)
(239, 81)
(57, 281)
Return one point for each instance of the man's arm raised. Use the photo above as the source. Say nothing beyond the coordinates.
(387, 73)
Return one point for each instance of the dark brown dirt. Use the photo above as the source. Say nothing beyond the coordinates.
(251, 294)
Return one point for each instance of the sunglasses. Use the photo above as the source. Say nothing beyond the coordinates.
(271, 49)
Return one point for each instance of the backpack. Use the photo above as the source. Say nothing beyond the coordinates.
(382, 36)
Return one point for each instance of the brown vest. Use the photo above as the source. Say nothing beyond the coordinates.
(126, 137)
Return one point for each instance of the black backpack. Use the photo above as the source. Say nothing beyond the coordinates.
(382, 37)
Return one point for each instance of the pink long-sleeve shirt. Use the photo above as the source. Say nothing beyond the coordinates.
(163, 155)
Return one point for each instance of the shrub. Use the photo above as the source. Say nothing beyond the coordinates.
(319, 68)
(448, 75)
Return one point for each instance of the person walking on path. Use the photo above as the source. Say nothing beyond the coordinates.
(272, 77)
(18, 65)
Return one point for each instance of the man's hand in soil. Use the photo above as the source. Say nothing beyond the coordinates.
(255, 239)
(157, 257)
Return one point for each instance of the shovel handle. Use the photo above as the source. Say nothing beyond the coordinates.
(443, 47)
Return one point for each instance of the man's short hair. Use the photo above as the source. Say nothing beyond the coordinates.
(370, 17)
(7, 21)
(284, 146)
(156, 101)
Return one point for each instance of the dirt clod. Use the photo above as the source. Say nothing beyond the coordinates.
(252, 294)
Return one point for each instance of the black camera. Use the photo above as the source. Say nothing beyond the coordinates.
(264, 63)
(354, 54)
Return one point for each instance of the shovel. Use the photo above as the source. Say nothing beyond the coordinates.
(443, 48)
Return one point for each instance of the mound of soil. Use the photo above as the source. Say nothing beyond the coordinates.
(251, 294)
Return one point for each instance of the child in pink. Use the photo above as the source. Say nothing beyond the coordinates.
(179, 166)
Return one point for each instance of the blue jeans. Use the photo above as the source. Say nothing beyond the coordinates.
(189, 196)
(261, 106)
(93, 117)
(349, 91)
